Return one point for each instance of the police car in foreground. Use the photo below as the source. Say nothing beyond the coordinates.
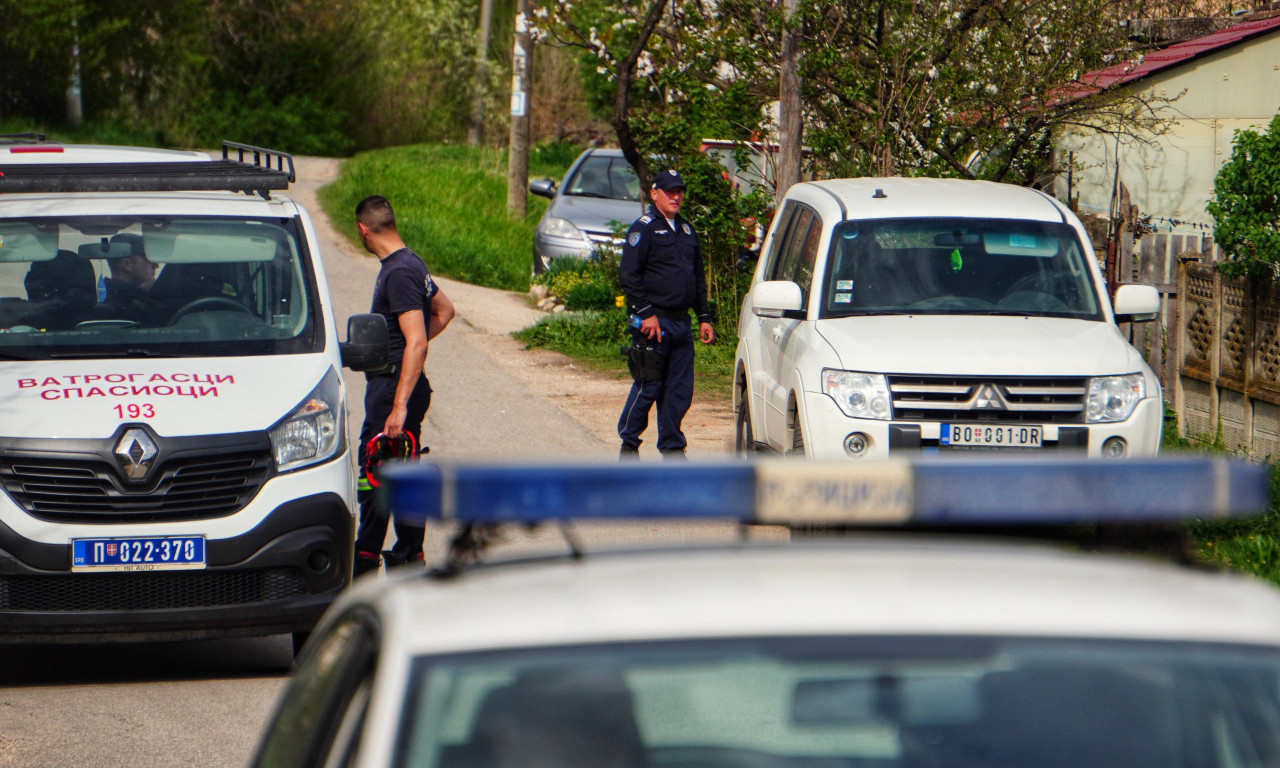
(912, 644)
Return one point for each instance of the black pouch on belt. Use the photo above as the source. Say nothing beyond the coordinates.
(643, 360)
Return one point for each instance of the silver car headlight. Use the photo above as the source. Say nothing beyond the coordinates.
(1113, 398)
(554, 226)
(859, 395)
(314, 431)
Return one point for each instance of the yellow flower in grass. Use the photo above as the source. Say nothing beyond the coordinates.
(620, 301)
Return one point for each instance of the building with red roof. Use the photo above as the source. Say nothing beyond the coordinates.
(1209, 87)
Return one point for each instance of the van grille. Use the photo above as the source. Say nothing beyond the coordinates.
(989, 399)
(87, 490)
(99, 592)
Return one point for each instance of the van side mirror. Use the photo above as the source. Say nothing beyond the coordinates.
(1136, 303)
(543, 187)
(367, 347)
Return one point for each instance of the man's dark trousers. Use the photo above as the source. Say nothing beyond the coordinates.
(379, 396)
(673, 394)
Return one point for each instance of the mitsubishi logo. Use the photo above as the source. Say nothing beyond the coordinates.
(135, 453)
(989, 399)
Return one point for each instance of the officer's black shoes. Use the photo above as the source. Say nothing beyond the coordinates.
(629, 452)
(675, 454)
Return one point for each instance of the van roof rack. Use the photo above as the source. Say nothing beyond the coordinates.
(21, 138)
(243, 168)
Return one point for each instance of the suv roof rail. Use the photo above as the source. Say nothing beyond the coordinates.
(251, 170)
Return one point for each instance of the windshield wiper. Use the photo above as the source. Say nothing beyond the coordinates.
(107, 353)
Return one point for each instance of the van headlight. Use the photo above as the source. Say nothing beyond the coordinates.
(859, 395)
(314, 431)
(1113, 398)
(554, 226)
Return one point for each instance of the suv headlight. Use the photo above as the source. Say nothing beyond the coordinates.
(314, 431)
(1113, 398)
(554, 226)
(859, 395)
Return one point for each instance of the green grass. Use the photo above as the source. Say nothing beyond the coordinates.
(1251, 545)
(595, 339)
(451, 207)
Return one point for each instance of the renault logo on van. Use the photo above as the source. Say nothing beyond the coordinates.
(989, 399)
(135, 453)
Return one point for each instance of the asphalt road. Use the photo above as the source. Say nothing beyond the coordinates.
(204, 704)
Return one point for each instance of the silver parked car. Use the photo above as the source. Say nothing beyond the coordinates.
(600, 188)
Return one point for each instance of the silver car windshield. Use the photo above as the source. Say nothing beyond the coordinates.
(91, 286)
(833, 702)
(604, 176)
(958, 266)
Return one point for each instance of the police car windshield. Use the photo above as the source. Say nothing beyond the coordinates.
(822, 702)
(958, 266)
(110, 286)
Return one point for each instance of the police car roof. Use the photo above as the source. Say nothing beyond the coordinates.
(878, 585)
(886, 582)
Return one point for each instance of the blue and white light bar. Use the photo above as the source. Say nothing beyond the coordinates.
(793, 492)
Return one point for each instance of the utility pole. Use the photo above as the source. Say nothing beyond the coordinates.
(789, 123)
(518, 146)
(475, 133)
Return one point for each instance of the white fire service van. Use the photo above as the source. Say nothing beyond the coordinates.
(173, 457)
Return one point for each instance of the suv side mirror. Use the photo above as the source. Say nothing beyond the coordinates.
(1136, 303)
(777, 298)
(543, 187)
(367, 347)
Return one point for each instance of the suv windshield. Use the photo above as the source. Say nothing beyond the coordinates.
(106, 286)
(604, 176)
(829, 702)
(958, 266)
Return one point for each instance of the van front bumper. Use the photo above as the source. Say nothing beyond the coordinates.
(276, 578)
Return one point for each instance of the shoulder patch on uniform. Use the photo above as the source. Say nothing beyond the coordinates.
(687, 230)
(634, 239)
(645, 219)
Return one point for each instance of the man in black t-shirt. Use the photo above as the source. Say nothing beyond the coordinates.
(396, 398)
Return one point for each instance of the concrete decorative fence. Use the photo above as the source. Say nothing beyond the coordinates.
(1216, 345)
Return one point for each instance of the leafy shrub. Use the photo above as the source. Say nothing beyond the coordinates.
(561, 153)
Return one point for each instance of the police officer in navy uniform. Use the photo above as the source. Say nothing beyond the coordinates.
(396, 399)
(663, 278)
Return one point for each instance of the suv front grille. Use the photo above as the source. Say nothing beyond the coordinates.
(1002, 400)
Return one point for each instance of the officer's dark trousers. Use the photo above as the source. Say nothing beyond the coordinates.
(673, 394)
(379, 395)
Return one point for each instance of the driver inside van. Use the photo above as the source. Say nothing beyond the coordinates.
(132, 276)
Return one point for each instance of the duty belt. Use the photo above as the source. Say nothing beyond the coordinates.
(390, 370)
(671, 314)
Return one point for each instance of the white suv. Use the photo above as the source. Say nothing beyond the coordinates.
(937, 315)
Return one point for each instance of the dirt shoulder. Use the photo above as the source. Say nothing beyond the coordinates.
(591, 398)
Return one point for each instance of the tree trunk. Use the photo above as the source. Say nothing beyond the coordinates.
(790, 128)
(475, 133)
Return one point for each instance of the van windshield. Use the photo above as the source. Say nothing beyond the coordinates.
(168, 286)
(958, 266)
